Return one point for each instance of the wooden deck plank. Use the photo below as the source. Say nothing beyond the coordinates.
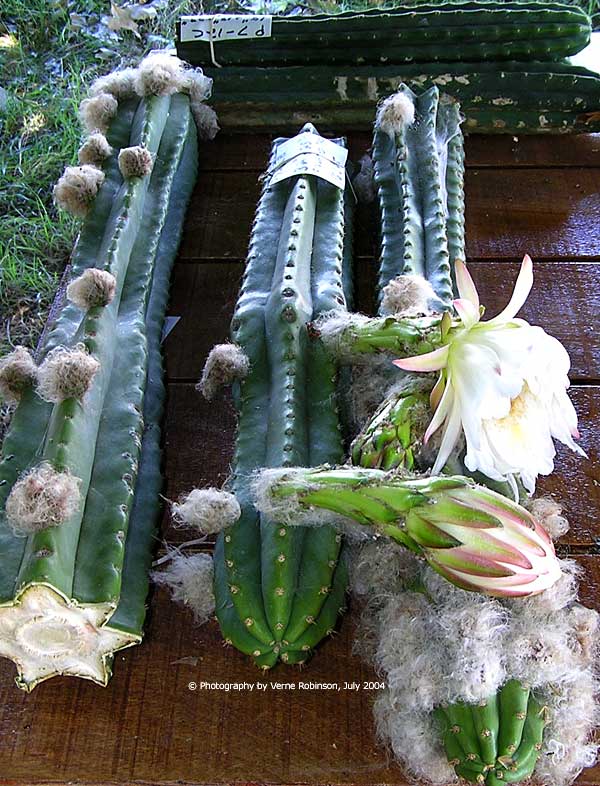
(204, 295)
(149, 727)
(548, 213)
(245, 151)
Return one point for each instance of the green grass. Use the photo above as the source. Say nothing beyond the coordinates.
(47, 65)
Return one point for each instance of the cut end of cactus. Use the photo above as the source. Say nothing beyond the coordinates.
(47, 635)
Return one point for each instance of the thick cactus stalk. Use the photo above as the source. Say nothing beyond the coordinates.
(508, 97)
(276, 586)
(466, 30)
(61, 595)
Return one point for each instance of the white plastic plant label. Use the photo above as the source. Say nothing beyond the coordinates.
(310, 154)
(224, 27)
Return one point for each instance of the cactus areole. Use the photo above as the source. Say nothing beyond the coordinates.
(74, 569)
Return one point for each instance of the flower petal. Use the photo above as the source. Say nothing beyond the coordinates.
(520, 293)
(469, 315)
(431, 361)
(441, 413)
(465, 284)
(450, 437)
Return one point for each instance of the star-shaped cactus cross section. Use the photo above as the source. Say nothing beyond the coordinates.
(46, 635)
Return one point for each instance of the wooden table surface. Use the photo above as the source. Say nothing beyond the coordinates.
(534, 195)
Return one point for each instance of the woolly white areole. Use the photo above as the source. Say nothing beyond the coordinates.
(395, 112)
(42, 498)
(208, 510)
(18, 373)
(135, 161)
(66, 373)
(77, 188)
(92, 288)
(224, 364)
(95, 150)
(96, 113)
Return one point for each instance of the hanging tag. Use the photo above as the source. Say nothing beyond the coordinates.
(310, 154)
(224, 27)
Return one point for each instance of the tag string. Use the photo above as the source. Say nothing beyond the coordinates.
(211, 43)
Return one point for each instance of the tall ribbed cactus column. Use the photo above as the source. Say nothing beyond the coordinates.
(279, 589)
(419, 164)
(73, 588)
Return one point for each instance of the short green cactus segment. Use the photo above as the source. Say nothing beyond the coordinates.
(393, 437)
(497, 740)
(72, 595)
(278, 588)
(462, 30)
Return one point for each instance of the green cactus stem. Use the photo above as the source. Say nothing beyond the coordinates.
(276, 586)
(412, 165)
(464, 30)
(472, 536)
(77, 593)
(497, 740)
(549, 97)
(393, 438)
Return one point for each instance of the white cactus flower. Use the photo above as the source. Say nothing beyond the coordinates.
(503, 383)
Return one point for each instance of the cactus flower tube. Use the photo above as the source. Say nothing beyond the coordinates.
(502, 382)
(474, 537)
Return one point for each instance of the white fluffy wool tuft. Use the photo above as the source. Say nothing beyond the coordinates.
(207, 510)
(42, 498)
(408, 296)
(224, 364)
(97, 113)
(370, 385)
(206, 119)
(120, 84)
(95, 150)
(197, 84)
(464, 646)
(414, 739)
(135, 161)
(549, 514)
(568, 744)
(160, 74)
(66, 373)
(77, 188)
(394, 112)
(190, 581)
(92, 288)
(18, 373)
